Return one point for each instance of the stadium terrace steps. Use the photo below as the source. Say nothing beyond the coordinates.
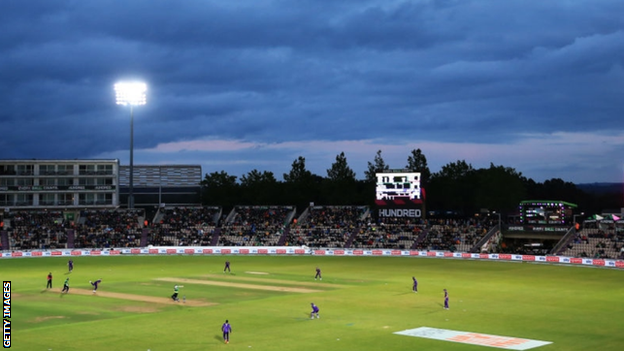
(70, 238)
(215, 237)
(284, 237)
(476, 248)
(144, 234)
(562, 245)
(4, 240)
(351, 238)
(423, 234)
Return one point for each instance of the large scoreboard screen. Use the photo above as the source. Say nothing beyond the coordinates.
(398, 186)
(398, 194)
(546, 212)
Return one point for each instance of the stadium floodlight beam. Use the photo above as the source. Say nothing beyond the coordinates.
(133, 94)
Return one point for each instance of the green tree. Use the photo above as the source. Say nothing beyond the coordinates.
(260, 188)
(298, 173)
(453, 188)
(340, 185)
(340, 170)
(220, 189)
(417, 162)
(301, 185)
(499, 188)
(378, 165)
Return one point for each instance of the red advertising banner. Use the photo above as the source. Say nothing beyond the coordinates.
(431, 254)
(243, 251)
(336, 252)
(448, 254)
(226, 251)
(377, 252)
(263, 251)
(16, 254)
(319, 252)
(466, 255)
(619, 264)
(153, 251)
(207, 251)
(280, 251)
(484, 256)
(576, 260)
(37, 253)
(598, 262)
(413, 253)
(135, 251)
(57, 253)
(171, 251)
(299, 251)
(395, 252)
(96, 253)
(114, 252)
(358, 252)
(76, 253)
(189, 251)
(528, 257)
(552, 258)
(504, 257)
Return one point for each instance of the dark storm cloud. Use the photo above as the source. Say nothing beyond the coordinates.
(267, 81)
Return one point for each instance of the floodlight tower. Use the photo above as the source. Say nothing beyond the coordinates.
(133, 94)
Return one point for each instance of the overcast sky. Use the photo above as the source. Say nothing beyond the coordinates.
(240, 85)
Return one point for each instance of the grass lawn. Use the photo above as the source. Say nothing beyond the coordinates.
(362, 301)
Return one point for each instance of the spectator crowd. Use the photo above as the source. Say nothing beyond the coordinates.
(315, 227)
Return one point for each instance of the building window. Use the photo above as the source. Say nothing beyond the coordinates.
(66, 199)
(25, 169)
(86, 169)
(103, 181)
(46, 200)
(6, 200)
(47, 181)
(65, 181)
(105, 169)
(7, 170)
(24, 200)
(65, 169)
(24, 181)
(104, 199)
(86, 181)
(86, 199)
(47, 170)
(7, 182)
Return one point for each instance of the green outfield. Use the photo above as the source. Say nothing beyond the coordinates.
(362, 301)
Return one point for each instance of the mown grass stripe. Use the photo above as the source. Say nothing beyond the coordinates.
(240, 285)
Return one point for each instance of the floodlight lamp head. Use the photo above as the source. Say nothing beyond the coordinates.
(131, 93)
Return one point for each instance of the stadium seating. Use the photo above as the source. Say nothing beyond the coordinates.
(315, 226)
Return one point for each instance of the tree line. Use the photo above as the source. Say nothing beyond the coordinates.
(457, 187)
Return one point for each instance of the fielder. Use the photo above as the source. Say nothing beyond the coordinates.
(315, 311)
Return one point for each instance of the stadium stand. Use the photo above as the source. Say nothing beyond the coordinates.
(316, 226)
(596, 243)
(256, 225)
(326, 226)
(35, 230)
(392, 233)
(454, 234)
(184, 226)
(106, 228)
